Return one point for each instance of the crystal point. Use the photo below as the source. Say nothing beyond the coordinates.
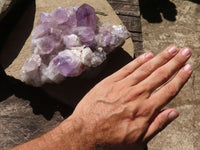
(86, 16)
(60, 15)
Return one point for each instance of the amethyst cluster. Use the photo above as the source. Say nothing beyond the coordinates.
(67, 42)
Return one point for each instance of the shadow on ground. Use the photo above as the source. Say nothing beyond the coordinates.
(195, 1)
(153, 10)
(15, 28)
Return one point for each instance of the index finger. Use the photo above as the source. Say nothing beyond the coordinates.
(131, 67)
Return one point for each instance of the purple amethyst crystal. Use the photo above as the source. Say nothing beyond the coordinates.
(60, 15)
(71, 40)
(86, 35)
(67, 42)
(46, 45)
(68, 63)
(86, 17)
(41, 30)
(45, 17)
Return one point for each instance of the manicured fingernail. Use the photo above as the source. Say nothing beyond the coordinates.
(186, 52)
(172, 50)
(148, 55)
(188, 68)
(172, 115)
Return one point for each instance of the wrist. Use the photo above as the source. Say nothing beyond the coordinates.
(76, 135)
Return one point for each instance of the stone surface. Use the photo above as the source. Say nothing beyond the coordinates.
(4, 4)
(22, 128)
(178, 24)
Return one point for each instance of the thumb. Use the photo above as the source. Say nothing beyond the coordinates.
(160, 121)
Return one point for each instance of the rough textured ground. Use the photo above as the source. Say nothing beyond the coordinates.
(177, 22)
(4, 4)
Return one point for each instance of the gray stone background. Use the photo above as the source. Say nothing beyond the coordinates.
(178, 23)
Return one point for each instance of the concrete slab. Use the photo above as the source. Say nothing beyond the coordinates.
(177, 23)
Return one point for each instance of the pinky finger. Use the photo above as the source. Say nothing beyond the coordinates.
(159, 123)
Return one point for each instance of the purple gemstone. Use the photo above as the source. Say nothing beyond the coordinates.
(45, 17)
(60, 15)
(104, 37)
(72, 21)
(41, 30)
(86, 35)
(63, 65)
(55, 34)
(71, 41)
(67, 64)
(46, 45)
(86, 16)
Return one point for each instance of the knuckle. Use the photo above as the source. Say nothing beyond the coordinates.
(178, 60)
(139, 90)
(127, 69)
(163, 73)
(164, 57)
(171, 89)
(146, 110)
(139, 60)
(133, 93)
(160, 123)
(182, 76)
(147, 68)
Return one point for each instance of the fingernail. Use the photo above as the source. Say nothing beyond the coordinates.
(172, 115)
(172, 50)
(186, 52)
(148, 55)
(188, 68)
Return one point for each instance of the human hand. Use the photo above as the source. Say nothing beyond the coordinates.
(126, 107)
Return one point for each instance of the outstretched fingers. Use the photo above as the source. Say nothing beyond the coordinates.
(165, 72)
(147, 68)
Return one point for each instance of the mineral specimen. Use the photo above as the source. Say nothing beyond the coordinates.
(67, 42)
